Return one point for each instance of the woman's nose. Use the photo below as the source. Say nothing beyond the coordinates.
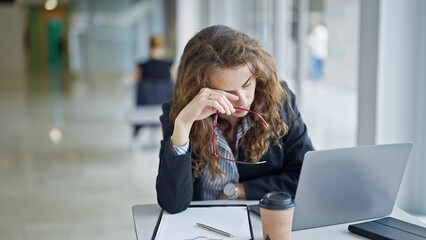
(241, 102)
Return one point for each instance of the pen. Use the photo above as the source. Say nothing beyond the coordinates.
(203, 226)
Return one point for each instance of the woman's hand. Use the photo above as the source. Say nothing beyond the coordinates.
(204, 104)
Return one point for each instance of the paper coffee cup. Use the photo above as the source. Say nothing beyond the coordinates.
(276, 211)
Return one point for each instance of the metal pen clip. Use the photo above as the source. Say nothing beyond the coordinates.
(203, 226)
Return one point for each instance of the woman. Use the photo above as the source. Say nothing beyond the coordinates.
(222, 74)
(154, 78)
(156, 68)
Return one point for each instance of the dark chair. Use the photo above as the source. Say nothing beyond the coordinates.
(151, 93)
(154, 91)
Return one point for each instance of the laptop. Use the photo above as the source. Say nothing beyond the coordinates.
(350, 184)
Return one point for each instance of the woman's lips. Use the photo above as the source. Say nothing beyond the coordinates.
(241, 111)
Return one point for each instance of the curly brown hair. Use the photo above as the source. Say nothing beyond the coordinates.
(220, 47)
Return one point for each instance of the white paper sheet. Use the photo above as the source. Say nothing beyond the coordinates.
(180, 226)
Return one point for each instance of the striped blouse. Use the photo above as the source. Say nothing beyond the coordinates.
(213, 188)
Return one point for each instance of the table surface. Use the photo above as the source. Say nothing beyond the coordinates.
(145, 218)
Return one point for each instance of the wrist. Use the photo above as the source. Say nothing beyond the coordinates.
(181, 132)
(234, 191)
(241, 191)
(231, 191)
(183, 124)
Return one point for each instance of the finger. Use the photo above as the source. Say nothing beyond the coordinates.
(230, 105)
(231, 96)
(227, 97)
(226, 104)
(217, 106)
(223, 101)
(224, 98)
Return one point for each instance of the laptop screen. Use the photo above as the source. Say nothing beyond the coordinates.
(349, 184)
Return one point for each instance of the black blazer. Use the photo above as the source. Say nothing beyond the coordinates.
(176, 186)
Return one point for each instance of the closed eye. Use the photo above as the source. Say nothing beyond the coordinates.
(248, 82)
(245, 85)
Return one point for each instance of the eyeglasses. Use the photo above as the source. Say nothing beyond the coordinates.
(214, 136)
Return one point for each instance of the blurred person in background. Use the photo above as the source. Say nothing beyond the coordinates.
(156, 68)
(318, 45)
(232, 130)
(154, 78)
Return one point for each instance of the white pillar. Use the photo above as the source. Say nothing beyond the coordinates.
(401, 105)
(282, 22)
(301, 47)
(187, 22)
(368, 71)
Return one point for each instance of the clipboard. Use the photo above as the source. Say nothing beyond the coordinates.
(240, 210)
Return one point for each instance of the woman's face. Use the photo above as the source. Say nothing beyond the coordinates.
(238, 81)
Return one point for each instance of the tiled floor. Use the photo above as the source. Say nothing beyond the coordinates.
(83, 186)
